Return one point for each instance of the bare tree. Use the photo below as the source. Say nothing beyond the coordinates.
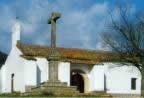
(126, 37)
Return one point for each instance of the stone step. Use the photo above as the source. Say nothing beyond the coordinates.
(58, 87)
(64, 91)
(53, 94)
(54, 84)
(55, 88)
(55, 91)
(64, 88)
(68, 91)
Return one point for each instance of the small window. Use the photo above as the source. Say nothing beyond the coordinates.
(133, 83)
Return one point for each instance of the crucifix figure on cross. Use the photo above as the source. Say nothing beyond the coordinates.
(52, 21)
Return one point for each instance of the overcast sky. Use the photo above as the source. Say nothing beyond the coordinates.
(80, 25)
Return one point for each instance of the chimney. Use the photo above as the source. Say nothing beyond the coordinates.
(16, 29)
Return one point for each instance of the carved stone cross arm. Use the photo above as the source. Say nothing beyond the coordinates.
(52, 21)
(54, 17)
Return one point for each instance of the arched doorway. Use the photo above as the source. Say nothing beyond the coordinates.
(77, 80)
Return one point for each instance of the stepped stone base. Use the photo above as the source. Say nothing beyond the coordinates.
(60, 89)
(52, 89)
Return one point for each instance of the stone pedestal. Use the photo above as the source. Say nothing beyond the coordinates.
(53, 89)
(53, 71)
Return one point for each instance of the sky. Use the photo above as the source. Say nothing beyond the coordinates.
(80, 26)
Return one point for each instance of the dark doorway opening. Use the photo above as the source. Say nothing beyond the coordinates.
(77, 80)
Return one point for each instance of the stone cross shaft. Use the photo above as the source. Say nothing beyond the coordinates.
(52, 21)
(54, 54)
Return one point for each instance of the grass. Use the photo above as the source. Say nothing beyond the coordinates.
(51, 94)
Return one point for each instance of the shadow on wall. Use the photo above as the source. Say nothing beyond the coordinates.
(38, 76)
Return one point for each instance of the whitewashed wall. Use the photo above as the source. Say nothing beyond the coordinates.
(42, 64)
(0, 80)
(64, 72)
(118, 78)
(30, 73)
(96, 78)
(14, 64)
(25, 71)
(93, 76)
(3, 77)
(81, 67)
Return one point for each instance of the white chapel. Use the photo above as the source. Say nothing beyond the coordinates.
(28, 66)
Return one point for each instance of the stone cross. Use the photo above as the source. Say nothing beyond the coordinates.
(52, 21)
(54, 54)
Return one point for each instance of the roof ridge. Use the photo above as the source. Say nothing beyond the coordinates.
(82, 49)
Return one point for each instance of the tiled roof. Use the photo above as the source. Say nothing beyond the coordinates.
(73, 55)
